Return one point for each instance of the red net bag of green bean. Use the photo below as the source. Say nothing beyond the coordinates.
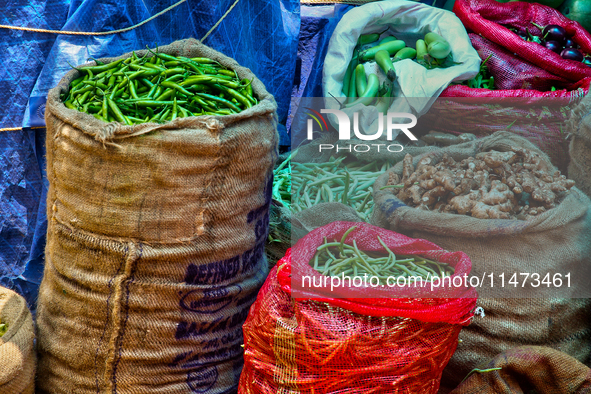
(319, 343)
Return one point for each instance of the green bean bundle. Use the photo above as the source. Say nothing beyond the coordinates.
(333, 181)
(279, 231)
(158, 88)
(282, 181)
(338, 258)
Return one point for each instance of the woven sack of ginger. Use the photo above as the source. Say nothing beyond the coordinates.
(579, 127)
(155, 245)
(500, 236)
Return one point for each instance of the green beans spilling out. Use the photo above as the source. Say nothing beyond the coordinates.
(338, 258)
(335, 181)
(282, 182)
(158, 88)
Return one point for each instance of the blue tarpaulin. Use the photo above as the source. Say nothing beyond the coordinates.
(261, 35)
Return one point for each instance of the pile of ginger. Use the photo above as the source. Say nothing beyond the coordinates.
(516, 184)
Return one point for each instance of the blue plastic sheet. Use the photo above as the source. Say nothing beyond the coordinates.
(22, 212)
(261, 35)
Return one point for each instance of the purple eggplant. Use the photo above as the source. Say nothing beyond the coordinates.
(554, 46)
(569, 43)
(572, 54)
(552, 32)
(521, 33)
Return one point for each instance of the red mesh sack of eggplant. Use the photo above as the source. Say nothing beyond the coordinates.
(507, 23)
(310, 341)
(516, 77)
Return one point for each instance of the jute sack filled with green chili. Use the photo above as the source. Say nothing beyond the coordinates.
(579, 126)
(17, 345)
(155, 245)
(557, 241)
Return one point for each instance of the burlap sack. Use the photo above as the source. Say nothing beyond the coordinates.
(279, 239)
(554, 241)
(320, 215)
(528, 369)
(17, 345)
(155, 245)
(579, 126)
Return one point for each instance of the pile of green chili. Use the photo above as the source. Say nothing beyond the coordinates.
(338, 258)
(158, 88)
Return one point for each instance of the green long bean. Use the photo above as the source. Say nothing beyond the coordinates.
(340, 256)
(350, 183)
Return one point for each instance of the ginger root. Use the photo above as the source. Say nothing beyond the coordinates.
(516, 184)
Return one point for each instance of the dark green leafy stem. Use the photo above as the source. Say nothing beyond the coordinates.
(483, 80)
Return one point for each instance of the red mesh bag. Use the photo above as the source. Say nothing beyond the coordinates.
(354, 345)
(488, 18)
(516, 77)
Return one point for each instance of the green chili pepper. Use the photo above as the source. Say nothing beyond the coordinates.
(203, 60)
(240, 98)
(164, 115)
(117, 112)
(229, 73)
(77, 81)
(220, 100)
(150, 103)
(132, 91)
(172, 85)
(98, 69)
(168, 94)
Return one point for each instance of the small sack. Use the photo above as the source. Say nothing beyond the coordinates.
(17, 345)
(408, 21)
(579, 127)
(320, 344)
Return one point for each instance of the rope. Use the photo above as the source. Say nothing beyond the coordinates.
(83, 33)
(104, 33)
(113, 32)
(327, 2)
(20, 128)
(332, 2)
(219, 21)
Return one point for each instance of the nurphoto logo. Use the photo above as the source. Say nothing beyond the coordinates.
(389, 123)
